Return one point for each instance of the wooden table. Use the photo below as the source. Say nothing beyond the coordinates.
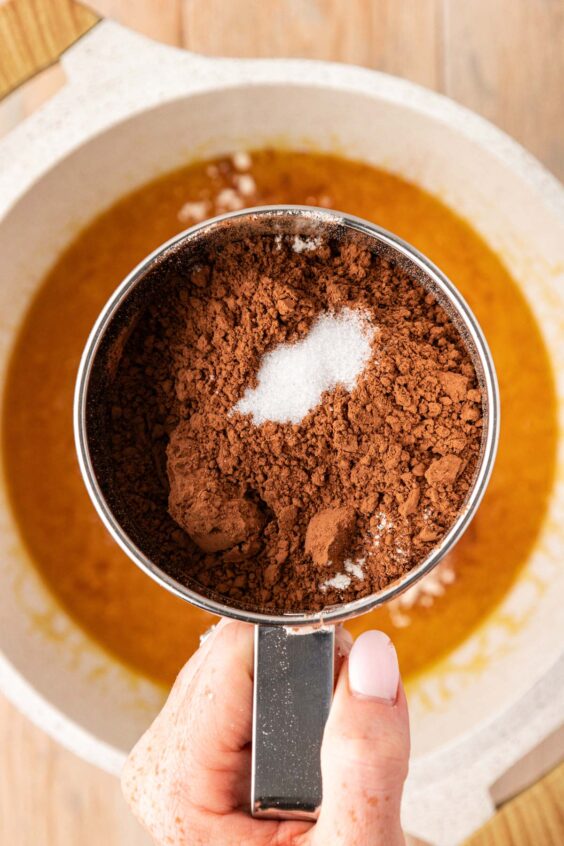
(502, 58)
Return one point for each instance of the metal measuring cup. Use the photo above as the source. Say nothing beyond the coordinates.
(294, 653)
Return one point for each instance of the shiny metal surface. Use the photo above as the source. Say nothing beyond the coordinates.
(293, 692)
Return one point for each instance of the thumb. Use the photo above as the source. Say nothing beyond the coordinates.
(365, 753)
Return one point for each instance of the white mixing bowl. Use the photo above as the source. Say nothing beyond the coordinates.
(133, 109)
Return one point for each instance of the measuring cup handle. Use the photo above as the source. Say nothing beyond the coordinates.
(293, 691)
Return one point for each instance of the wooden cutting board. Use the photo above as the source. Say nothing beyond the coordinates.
(502, 58)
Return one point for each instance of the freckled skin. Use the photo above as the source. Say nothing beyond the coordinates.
(187, 779)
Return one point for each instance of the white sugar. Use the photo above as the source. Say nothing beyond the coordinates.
(229, 200)
(384, 521)
(340, 582)
(196, 211)
(355, 568)
(301, 244)
(246, 185)
(241, 160)
(293, 377)
(423, 593)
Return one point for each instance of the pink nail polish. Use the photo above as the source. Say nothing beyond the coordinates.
(373, 667)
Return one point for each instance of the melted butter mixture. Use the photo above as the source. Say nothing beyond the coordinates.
(115, 602)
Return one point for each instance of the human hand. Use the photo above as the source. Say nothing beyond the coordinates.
(188, 778)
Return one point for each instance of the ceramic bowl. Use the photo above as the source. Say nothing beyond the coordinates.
(133, 109)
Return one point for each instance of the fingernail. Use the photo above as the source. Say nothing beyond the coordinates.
(373, 667)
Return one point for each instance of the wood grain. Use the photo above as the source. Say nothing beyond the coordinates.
(34, 33)
(505, 59)
(400, 37)
(502, 58)
(160, 19)
(535, 818)
(49, 797)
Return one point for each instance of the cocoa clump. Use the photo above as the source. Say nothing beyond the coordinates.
(264, 515)
(215, 523)
(455, 385)
(209, 510)
(443, 471)
(328, 535)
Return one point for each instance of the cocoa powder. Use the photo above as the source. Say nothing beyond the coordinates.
(285, 516)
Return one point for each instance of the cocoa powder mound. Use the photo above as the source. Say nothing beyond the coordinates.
(284, 516)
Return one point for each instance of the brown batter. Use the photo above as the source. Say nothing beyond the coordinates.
(121, 607)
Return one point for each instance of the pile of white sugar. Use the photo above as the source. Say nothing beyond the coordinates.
(293, 377)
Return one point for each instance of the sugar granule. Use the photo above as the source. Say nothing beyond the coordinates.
(246, 185)
(241, 160)
(293, 377)
(355, 568)
(340, 582)
(195, 211)
(300, 244)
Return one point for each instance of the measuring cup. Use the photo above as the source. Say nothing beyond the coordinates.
(294, 653)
